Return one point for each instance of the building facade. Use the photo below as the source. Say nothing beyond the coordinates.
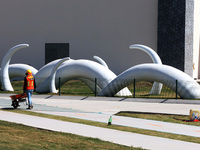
(105, 29)
(178, 34)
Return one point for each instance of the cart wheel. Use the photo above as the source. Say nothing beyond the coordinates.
(15, 104)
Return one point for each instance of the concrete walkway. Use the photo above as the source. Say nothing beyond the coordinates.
(100, 109)
(115, 136)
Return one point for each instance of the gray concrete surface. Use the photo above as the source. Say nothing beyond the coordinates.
(115, 136)
(100, 109)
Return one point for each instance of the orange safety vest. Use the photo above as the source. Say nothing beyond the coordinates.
(29, 82)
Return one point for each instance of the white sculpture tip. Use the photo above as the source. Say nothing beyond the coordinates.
(27, 45)
(135, 45)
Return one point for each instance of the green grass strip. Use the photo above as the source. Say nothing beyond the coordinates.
(181, 119)
(20, 137)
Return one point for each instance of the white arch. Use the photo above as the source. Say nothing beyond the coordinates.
(45, 78)
(89, 70)
(78, 69)
(5, 64)
(19, 70)
(45, 72)
(53, 74)
(157, 87)
(187, 87)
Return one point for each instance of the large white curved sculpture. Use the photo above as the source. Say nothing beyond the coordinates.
(48, 83)
(5, 64)
(90, 84)
(77, 69)
(89, 70)
(187, 87)
(45, 72)
(53, 74)
(19, 70)
(157, 87)
(86, 69)
(108, 84)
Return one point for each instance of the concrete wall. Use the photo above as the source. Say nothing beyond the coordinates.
(104, 28)
(196, 68)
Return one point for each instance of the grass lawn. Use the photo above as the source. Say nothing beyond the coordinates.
(181, 119)
(20, 137)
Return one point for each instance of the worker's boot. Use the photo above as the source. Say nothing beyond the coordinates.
(29, 107)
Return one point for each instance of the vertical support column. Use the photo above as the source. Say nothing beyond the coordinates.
(59, 86)
(189, 37)
(176, 89)
(134, 88)
(95, 88)
(196, 41)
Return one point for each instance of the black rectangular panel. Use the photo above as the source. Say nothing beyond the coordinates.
(55, 51)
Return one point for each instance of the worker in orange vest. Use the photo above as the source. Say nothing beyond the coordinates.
(29, 87)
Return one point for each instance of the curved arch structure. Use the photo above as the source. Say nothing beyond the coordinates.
(19, 70)
(85, 69)
(108, 84)
(154, 56)
(187, 87)
(89, 70)
(78, 69)
(48, 83)
(101, 61)
(5, 64)
(157, 87)
(46, 71)
(53, 74)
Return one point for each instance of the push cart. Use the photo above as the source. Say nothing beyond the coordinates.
(16, 99)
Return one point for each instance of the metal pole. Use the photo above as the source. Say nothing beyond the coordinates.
(95, 88)
(59, 86)
(176, 89)
(134, 88)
